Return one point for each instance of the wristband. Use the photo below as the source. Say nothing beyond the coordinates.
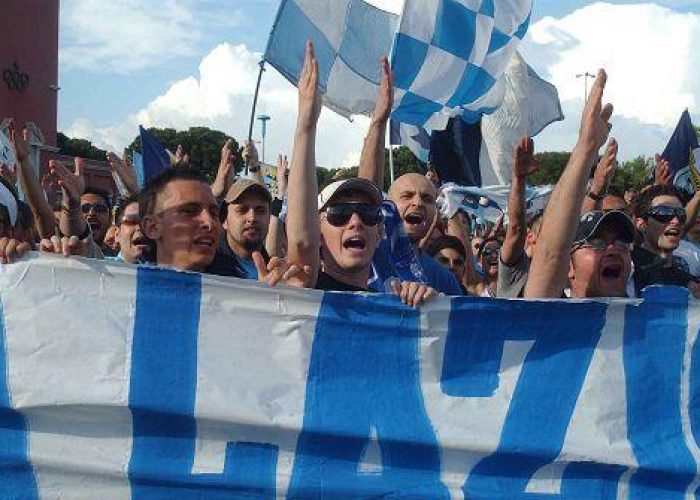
(596, 197)
(276, 207)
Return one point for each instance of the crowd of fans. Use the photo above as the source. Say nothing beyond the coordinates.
(588, 242)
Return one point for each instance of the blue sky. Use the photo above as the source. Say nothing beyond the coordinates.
(188, 62)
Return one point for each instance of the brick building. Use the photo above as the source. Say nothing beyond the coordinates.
(29, 82)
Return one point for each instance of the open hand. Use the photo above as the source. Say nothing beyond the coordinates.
(595, 123)
(72, 183)
(525, 163)
(309, 93)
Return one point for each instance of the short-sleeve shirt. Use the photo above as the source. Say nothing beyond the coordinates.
(512, 279)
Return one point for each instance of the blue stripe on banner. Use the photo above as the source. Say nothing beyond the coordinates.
(455, 28)
(364, 375)
(655, 340)
(16, 474)
(162, 400)
(547, 390)
(406, 68)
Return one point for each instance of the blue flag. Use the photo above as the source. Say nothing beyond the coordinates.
(155, 157)
(683, 143)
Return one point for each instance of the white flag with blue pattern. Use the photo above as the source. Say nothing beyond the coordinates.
(349, 37)
(118, 383)
(448, 56)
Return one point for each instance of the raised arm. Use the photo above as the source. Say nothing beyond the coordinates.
(302, 190)
(524, 164)
(274, 243)
(43, 215)
(71, 222)
(224, 176)
(601, 179)
(125, 172)
(372, 158)
(550, 262)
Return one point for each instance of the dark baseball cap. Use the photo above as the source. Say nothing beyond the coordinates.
(591, 222)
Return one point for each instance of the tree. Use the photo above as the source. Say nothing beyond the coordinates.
(551, 166)
(79, 147)
(201, 143)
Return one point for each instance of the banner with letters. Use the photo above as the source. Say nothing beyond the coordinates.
(124, 382)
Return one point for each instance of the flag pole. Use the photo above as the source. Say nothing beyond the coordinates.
(391, 158)
(255, 104)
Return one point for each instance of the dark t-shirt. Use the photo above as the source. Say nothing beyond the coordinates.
(330, 284)
(652, 269)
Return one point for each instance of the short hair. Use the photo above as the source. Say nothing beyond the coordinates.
(101, 193)
(121, 207)
(488, 240)
(643, 202)
(155, 186)
(446, 241)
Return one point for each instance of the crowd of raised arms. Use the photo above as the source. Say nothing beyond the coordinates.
(588, 242)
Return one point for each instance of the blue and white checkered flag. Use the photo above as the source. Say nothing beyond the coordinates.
(448, 55)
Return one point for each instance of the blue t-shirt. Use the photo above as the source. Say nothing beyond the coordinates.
(251, 272)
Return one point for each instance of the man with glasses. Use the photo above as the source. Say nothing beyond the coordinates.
(97, 212)
(134, 247)
(600, 261)
(489, 257)
(661, 221)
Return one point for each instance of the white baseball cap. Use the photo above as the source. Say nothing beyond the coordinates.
(354, 184)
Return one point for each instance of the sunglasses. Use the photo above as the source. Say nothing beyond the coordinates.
(131, 220)
(339, 214)
(99, 208)
(600, 245)
(665, 214)
(489, 251)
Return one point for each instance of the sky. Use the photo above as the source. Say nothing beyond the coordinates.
(183, 63)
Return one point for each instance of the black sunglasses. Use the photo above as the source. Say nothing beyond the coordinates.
(665, 214)
(339, 214)
(99, 208)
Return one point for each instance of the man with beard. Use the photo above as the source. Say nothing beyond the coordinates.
(246, 219)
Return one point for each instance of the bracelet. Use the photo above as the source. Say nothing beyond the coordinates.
(596, 197)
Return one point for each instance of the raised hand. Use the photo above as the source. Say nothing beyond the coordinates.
(125, 171)
(280, 271)
(663, 175)
(606, 168)
(595, 125)
(250, 155)
(309, 93)
(19, 142)
(182, 159)
(282, 173)
(524, 163)
(385, 99)
(72, 183)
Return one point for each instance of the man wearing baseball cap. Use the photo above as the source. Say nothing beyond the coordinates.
(246, 219)
(601, 262)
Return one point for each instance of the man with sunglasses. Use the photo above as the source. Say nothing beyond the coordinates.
(97, 212)
(661, 221)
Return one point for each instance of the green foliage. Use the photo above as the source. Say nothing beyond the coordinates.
(631, 175)
(79, 147)
(201, 143)
(551, 165)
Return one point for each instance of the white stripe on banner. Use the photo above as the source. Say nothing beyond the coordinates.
(122, 382)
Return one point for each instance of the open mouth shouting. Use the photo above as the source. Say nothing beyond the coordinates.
(355, 243)
(414, 220)
(612, 268)
(673, 234)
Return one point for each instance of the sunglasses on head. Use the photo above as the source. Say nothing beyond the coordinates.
(665, 214)
(339, 214)
(99, 208)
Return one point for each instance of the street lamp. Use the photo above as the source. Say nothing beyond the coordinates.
(263, 119)
(585, 77)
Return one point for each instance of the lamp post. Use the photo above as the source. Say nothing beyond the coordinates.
(263, 120)
(585, 77)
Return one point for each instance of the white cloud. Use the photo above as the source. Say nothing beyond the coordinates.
(649, 54)
(128, 35)
(221, 97)
(394, 6)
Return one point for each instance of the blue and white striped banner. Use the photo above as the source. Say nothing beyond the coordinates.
(125, 383)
